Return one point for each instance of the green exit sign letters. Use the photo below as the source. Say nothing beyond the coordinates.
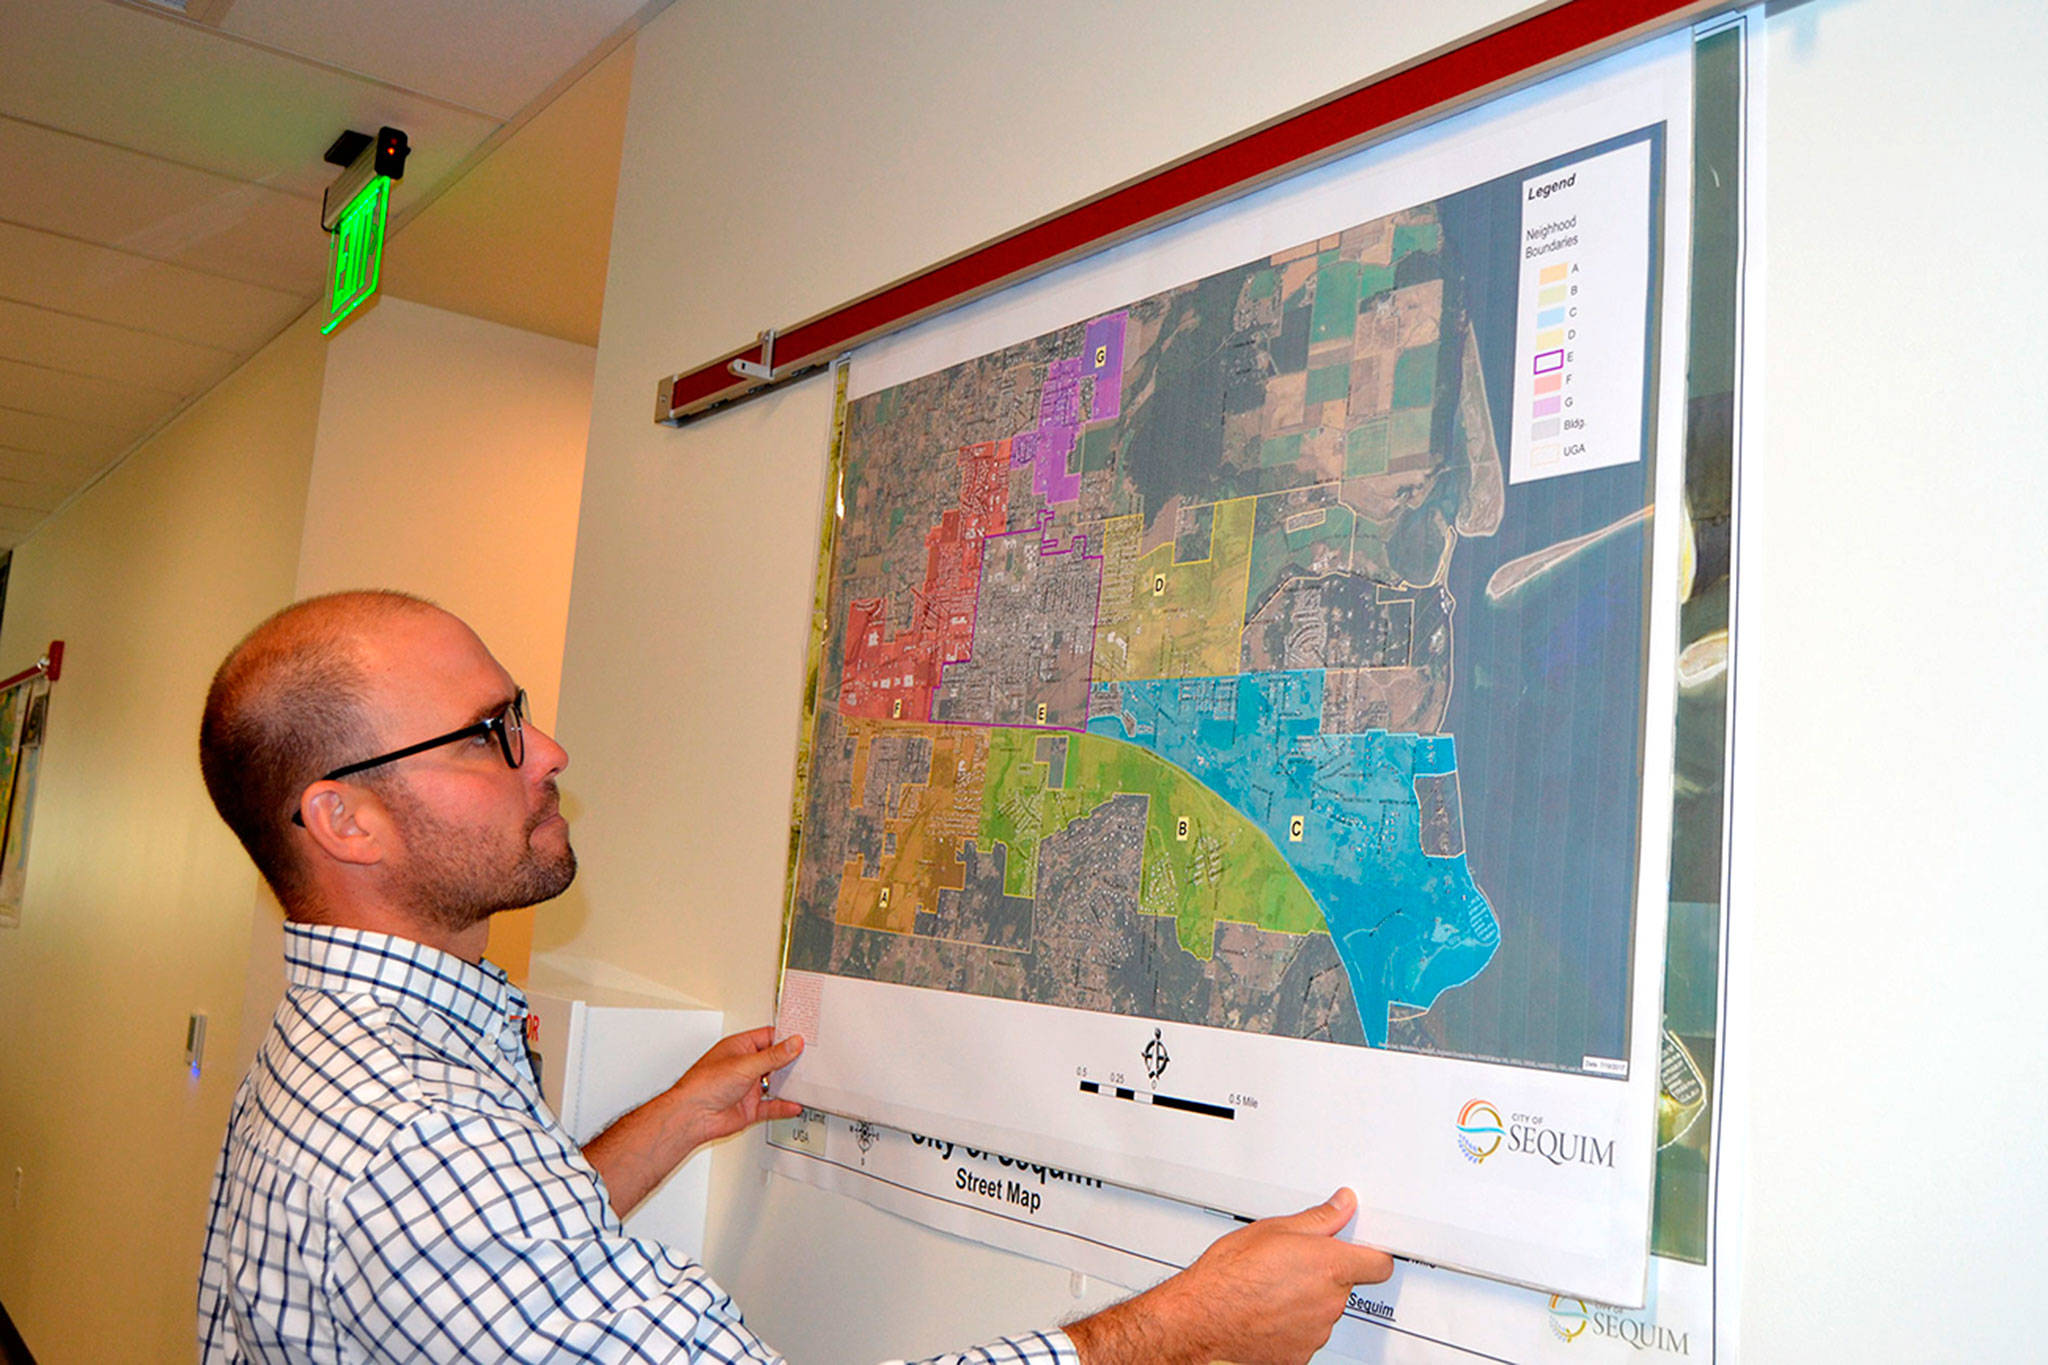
(358, 241)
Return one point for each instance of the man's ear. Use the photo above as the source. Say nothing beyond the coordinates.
(347, 823)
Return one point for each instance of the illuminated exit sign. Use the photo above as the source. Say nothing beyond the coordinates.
(358, 241)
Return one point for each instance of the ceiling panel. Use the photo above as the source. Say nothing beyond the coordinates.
(184, 93)
(131, 408)
(105, 351)
(96, 193)
(113, 286)
(488, 55)
(35, 494)
(37, 447)
(160, 180)
(19, 466)
(18, 521)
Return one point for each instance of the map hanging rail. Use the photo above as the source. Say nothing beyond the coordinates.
(764, 369)
(50, 666)
(1542, 44)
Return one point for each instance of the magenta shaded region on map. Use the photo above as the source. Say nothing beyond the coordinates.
(1105, 340)
(1049, 447)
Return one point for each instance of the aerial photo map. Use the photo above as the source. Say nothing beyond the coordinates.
(1202, 661)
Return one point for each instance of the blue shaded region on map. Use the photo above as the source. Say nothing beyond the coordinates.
(1408, 925)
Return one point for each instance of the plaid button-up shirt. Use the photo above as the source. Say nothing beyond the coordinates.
(393, 1188)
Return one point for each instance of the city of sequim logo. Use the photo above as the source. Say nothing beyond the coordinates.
(1482, 1132)
(1568, 1317)
(1479, 1131)
(1572, 1318)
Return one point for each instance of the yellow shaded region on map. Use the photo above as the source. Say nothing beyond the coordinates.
(926, 829)
(1160, 619)
(1204, 862)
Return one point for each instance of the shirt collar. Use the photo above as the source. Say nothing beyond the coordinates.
(329, 958)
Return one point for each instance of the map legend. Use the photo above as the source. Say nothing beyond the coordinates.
(1583, 303)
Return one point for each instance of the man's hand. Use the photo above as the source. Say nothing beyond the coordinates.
(727, 1090)
(723, 1093)
(1267, 1294)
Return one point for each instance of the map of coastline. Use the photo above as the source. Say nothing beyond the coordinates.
(1141, 647)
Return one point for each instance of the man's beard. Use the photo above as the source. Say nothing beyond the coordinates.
(457, 879)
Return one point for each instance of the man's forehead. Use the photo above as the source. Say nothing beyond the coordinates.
(430, 665)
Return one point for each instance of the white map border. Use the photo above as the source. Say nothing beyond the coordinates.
(1010, 1084)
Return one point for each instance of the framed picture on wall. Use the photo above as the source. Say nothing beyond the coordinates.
(24, 708)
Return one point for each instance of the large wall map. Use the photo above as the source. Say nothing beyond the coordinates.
(1199, 662)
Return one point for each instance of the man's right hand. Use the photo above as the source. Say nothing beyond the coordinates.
(723, 1093)
(1266, 1294)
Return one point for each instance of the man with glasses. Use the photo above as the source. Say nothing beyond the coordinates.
(393, 1187)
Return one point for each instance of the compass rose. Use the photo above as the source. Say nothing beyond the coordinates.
(1155, 1057)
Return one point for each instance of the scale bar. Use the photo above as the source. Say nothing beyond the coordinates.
(1124, 1092)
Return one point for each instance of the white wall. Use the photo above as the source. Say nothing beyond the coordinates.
(449, 462)
(1895, 751)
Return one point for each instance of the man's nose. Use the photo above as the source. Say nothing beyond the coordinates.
(543, 754)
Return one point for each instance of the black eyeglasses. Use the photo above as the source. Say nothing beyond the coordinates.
(508, 725)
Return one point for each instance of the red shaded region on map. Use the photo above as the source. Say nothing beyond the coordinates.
(892, 676)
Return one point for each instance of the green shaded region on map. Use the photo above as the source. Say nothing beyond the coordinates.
(1111, 909)
(1203, 861)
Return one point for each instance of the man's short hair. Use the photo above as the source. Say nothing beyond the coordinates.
(288, 704)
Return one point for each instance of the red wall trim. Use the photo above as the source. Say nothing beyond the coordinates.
(1570, 31)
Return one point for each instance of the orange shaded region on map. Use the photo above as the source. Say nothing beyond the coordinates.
(925, 826)
(891, 676)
